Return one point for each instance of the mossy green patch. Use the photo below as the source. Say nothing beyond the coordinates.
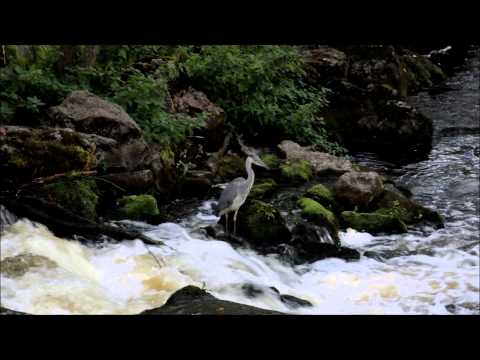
(316, 212)
(41, 157)
(322, 195)
(230, 167)
(296, 172)
(262, 222)
(373, 223)
(137, 207)
(262, 188)
(78, 196)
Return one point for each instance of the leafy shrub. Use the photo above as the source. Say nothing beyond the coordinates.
(261, 87)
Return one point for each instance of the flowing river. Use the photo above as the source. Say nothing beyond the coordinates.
(426, 271)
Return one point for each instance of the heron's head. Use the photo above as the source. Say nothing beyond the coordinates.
(257, 161)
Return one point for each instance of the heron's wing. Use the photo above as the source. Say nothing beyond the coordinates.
(231, 191)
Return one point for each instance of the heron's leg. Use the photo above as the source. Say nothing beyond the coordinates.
(235, 222)
(226, 222)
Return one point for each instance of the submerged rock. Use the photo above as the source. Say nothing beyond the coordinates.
(192, 300)
(373, 223)
(358, 189)
(312, 243)
(252, 291)
(19, 265)
(262, 223)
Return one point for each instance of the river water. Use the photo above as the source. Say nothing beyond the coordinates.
(426, 271)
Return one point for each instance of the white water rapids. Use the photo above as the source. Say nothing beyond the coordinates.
(124, 279)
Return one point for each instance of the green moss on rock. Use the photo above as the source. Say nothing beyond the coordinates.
(296, 172)
(137, 207)
(38, 157)
(262, 223)
(262, 188)
(322, 195)
(230, 167)
(78, 196)
(312, 210)
(373, 223)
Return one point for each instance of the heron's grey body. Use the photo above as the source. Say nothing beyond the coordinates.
(236, 192)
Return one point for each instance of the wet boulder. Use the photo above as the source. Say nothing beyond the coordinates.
(252, 291)
(192, 300)
(320, 162)
(392, 202)
(358, 189)
(87, 113)
(311, 243)
(373, 223)
(318, 214)
(262, 224)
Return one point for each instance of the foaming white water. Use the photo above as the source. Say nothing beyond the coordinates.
(118, 278)
(124, 278)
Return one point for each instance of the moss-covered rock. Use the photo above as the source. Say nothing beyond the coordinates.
(262, 188)
(393, 203)
(373, 223)
(78, 196)
(296, 171)
(137, 207)
(262, 223)
(316, 212)
(322, 195)
(32, 154)
(230, 167)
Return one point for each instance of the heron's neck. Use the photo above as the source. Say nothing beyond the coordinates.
(251, 174)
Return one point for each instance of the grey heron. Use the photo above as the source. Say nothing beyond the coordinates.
(236, 192)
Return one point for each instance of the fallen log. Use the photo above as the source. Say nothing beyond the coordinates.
(64, 223)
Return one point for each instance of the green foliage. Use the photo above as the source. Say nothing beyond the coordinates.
(261, 87)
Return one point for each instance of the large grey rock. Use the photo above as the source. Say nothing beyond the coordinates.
(358, 189)
(86, 112)
(321, 162)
